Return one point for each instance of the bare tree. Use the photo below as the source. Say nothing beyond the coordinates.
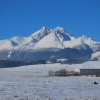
(51, 73)
(61, 72)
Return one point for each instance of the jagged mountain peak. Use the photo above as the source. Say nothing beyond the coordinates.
(86, 38)
(55, 39)
(83, 36)
(59, 29)
(62, 31)
(47, 39)
(44, 28)
(38, 35)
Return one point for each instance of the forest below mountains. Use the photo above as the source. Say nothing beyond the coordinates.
(14, 63)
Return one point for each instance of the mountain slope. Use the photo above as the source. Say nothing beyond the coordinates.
(7, 44)
(54, 40)
(83, 43)
(40, 34)
(95, 56)
(49, 44)
(71, 54)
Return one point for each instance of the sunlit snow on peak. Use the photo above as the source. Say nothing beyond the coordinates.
(46, 38)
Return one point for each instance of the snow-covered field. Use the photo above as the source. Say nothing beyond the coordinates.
(31, 83)
(42, 69)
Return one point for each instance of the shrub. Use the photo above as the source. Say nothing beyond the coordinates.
(61, 72)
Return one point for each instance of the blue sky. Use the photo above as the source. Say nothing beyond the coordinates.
(23, 17)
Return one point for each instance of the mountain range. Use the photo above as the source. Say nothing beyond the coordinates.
(49, 44)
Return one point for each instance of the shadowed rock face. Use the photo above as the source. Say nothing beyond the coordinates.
(30, 55)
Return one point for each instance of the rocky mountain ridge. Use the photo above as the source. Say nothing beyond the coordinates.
(46, 42)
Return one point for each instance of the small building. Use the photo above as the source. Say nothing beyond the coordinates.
(87, 71)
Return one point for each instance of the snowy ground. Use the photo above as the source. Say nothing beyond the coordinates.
(42, 69)
(30, 83)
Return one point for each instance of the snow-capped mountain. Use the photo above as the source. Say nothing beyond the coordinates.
(83, 42)
(40, 34)
(35, 37)
(46, 41)
(55, 39)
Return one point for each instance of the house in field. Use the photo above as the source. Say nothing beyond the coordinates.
(87, 71)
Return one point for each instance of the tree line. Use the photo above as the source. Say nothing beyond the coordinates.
(15, 63)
